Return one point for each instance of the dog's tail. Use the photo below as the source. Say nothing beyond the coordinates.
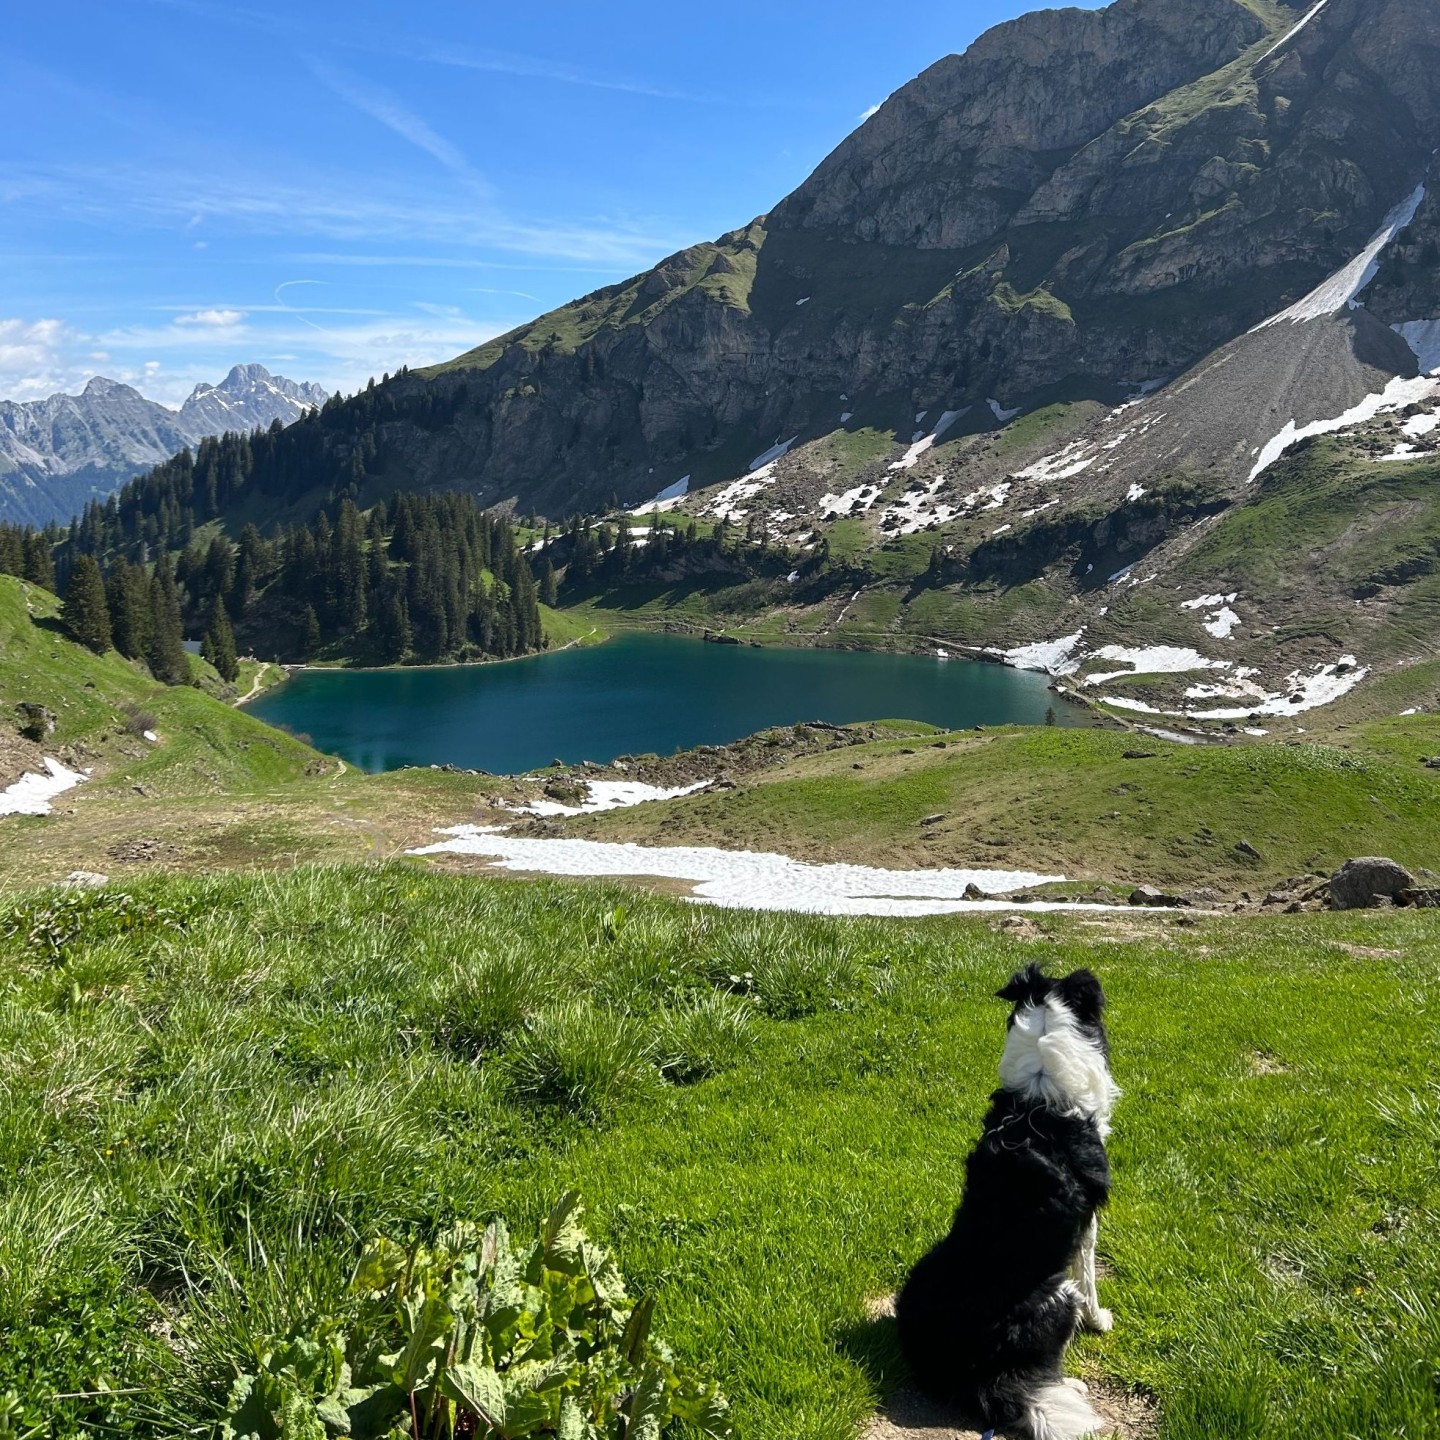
(1058, 1411)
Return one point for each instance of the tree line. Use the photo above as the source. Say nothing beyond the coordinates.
(425, 577)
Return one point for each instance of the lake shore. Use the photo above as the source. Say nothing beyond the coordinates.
(640, 692)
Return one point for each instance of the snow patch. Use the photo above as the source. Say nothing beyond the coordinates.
(1064, 464)
(774, 453)
(1054, 657)
(31, 794)
(1423, 337)
(1289, 36)
(863, 496)
(1002, 415)
(1302, 692)
(751, 880)
(608, 795)
(1397, 395)
(667, 499)
(1344, 287)
(1135, 492)
(1152, 660)
(922, 443)
(805, 301)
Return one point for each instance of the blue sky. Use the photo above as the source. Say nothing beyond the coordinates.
(335, 189)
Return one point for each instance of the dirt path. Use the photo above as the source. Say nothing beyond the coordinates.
(256, 686)
(909, 1416)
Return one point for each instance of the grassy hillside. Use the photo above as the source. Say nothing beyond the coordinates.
(218, 1089)
(217, 788)
(1099, 805)
(98, 700)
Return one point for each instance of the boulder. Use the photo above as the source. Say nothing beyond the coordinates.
(1148, 895)
(1244, 847)
(85, 880)
(1420, 898)
(1359, 884)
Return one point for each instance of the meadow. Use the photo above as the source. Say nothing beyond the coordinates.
(220, 1089)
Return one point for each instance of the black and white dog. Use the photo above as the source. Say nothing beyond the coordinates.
(985, 1317)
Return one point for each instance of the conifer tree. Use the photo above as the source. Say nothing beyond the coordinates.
(12, 550)
(549, 588)
(309, 633)
(166, 654)
(127, 595)
(39, 560)
(218, 646)
(85, 613)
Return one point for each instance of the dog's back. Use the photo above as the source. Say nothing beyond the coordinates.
(985, 1317)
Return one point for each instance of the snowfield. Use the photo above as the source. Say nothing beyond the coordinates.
(31, 794)
(749, 880)
(1343, 288)
(609, 795)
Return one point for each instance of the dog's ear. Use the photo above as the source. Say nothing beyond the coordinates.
(1030, 985)
(1081, 994)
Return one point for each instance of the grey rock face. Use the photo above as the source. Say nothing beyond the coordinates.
(1359, 884)
(249, 396)
(56, 454)
(1082, 201)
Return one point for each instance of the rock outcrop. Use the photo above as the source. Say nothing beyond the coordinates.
(1082, 201)
(1361, 884)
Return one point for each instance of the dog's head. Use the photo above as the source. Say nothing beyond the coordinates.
(1079, 992)
(1056, 1048)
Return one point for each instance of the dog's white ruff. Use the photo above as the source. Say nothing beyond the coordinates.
(1048, 1057)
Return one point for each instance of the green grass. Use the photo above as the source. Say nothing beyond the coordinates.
(1067, 801)
(206, 746)
(216, 1091)
(565, 627)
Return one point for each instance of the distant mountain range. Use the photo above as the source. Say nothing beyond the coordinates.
(56, 454)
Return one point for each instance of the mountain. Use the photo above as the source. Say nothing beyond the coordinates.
(1105, 341)
(56, 454)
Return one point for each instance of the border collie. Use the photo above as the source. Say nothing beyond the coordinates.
(985, 1317)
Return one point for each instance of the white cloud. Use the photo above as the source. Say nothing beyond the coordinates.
(866, 114)
(44, 357)
(213, 319)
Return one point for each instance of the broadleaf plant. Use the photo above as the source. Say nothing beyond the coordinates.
(474, 1337)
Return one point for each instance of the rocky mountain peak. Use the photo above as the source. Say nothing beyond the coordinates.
(58, 453)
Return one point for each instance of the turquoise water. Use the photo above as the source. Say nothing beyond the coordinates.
(634, 694)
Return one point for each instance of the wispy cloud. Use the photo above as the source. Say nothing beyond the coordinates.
(456, 262)
(437, 52)
(380, 105)
(530, 67)
(212, 319)
(338, 206)
(868, 114)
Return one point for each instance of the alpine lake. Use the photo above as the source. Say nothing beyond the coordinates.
(637, 693)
